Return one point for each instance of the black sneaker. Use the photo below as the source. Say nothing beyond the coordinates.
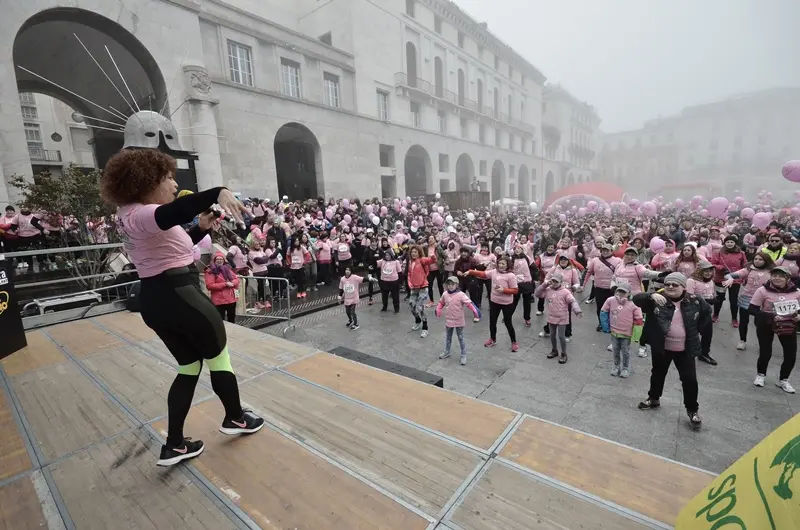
(354, 327)
(384, 310)
(598, 328)
(649, 404)
(553, 354)
(247, 424)
(350, 323)
(186, 450)
(563, 358)
(707, 359)
(695, 420)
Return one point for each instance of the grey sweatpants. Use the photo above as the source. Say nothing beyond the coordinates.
(558, 332)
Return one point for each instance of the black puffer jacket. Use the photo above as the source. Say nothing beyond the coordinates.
(696, 315)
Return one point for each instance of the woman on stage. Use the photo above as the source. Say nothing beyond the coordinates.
(141, 183)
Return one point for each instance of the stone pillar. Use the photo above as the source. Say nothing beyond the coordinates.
(203, 133)
(14, 157)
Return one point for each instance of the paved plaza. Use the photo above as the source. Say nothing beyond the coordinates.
(581, 394)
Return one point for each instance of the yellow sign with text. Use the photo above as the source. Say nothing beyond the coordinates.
(758, 492)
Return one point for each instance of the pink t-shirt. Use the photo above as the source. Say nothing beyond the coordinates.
(151, 249)
(504, 280)
(706, 290)
(350, 287)
(343, 250)
(25, 227)
(239, 259)
(297, 259)
(389, 270)
(522, 271)
(434, 266)
(257, 267)
(324, 248)
(676, 335)
(766, 299)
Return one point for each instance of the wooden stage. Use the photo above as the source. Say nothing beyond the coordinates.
(346, 447)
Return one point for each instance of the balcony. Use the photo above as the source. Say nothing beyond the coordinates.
(421, 86)
(47, 156)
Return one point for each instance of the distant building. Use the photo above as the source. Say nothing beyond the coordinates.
(736, 146)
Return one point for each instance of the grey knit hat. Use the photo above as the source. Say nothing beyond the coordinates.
(452, 279)
(704, 265)
(676, 277)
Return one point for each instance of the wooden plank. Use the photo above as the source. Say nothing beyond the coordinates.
(14, 457)
(420, 468)
(137, 379)
(20, 508)
(461, 417)
(129, 326)
(506, 499)
(83, 337)
(643, 483)
(117, 485)
(270, 350)
(281, 485)
(66, 410)
(39, 352)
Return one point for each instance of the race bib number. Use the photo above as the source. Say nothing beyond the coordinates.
(786, 308)
(349, 288)
(344, 248)
(236, 294)
(297, 260)
(520, 278)
(388, 271)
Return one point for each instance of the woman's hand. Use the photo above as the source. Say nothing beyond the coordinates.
(231, 205)
(206, 221)
(658, 299)
(728, 282)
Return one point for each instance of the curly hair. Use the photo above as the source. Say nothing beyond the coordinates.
(133, 173)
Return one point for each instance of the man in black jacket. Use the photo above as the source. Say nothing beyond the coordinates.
(674, 337)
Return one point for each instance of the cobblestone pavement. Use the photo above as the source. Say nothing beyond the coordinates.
(580, 394)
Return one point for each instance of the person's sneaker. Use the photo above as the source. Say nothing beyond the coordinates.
(706, 358)
(370, 302)
(714, 319)
(615, 371)
(599, 328)
(247, 424)
(539, 313)
(267, 305)
(741, 346)
(349, 324)
(734, 323)
(384, 310)
(299, 295)
(444, 355)
(648, 404)
(489, 343)
(624, 372)
(423, 334)
(305, 295)
(542, 334)
(172, 455)
(784, 385)
(396, 311)
(759, 381)
(553, 354)
(568, 339)
(589, 301)
(416, 326)
(354, 327)
(610, 347)
(463, 360)
(695, 420)
(514, 346)
(642, 351)
(527, 323)
(562, 359)
(476, 320)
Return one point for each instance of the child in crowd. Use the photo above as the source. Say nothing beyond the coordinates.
(559, 302)
(349, 286)
(453, 302)
(701, 284)
(620, 317)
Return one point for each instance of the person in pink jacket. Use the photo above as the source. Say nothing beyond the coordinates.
(620, 316)
(453, 302)
(602, 268)
(349, 293)
(223, 284)
(559, 302)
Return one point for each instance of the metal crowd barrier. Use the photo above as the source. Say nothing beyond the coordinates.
(256, 291)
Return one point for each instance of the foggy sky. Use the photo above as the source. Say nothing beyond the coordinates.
(637, 59)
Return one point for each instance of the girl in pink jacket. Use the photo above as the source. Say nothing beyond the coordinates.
(559, 302)
(453, 302)
(619, 316)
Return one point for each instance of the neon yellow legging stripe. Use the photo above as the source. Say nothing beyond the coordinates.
(220, 363)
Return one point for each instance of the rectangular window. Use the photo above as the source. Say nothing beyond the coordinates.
(416, 114)
(460, 40)
(482, 133)
(27, 98)
(331, 92)
(483, 167)
(437, 25)
(240, 63)
(29, 113)
(383, 105)
(444, 163)
(464, 128)
(290, 78)
(410, 5)
(497, 137)
(496, 62)
(442, 121)
(386, 154)
(327, 39)
(510, 72)
(33, 132)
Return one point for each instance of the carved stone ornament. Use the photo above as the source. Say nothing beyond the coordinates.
(198, 83)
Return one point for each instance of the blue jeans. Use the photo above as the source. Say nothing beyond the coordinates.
(622, 348)
(448, 340)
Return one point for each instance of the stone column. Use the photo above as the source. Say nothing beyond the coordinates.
(203, 134)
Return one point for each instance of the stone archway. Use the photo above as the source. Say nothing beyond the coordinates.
(549, 184)
(298, 162)
(524, 185)
(499, 185)
(418, 172)
(465, 173)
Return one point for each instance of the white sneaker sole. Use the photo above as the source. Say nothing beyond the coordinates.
(167, 462)
(237, 430)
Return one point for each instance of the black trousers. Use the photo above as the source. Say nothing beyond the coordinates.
(734, 300)
(527, 302)
(299, 278)
(228, 312)
(476, 290)
(350, 310)
(324, 273)
(494, 313)
(540, 305)
(687, 371)
(744, 323)
(392, 288)
(705, 338)
(345, 264)
(435, 275)
(788, 343)
(601, 294)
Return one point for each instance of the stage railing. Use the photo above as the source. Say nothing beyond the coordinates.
(266, 298)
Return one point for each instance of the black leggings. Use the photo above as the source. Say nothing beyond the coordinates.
(788, 343)
(228, 312)
(744, 322)
(734, 298)
(601, 294)
(476, 290)
(540, 305)
(299, 278)
(508, 312)
(435, 275)
(527, 301)
(191, 328)
(392, 288)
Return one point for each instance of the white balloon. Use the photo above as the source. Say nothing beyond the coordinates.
(449, 219)
(376, 220)
(471, 216)
(534, 206)
(438, 196)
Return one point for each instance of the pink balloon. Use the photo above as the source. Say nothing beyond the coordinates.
(791, 171)
(345, 203)
(761, 220)
(704, 212)
(581, 211)
(635, 204)
(679, 203)
(384, 210)
(607, 212)
(657, 244)
(649, 209)
(403, 203)
(196, 253)
(591, 205)
(439, 221)
(740, 200)
(347, 218)
(414, 207)
(562, 217)
(795, 211)
(369, 209)
(718, 206)
(748, 213)
(574, 209)
(440, 209)
(328, 214)
(403, 211)
(414, 223)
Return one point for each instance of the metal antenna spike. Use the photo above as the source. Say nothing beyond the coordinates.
(180, 67)
(104, 73)
(118, 113)
(85, 117)
(179, 106)
(123, 79)
(105, 128)
(67, 91)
